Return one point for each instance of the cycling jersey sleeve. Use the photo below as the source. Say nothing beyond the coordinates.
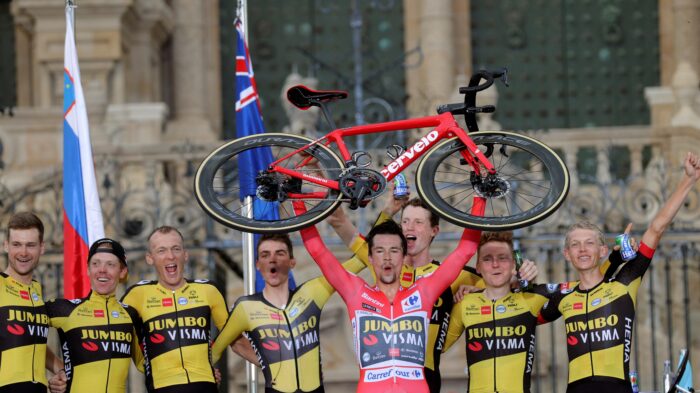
(338, 277)
(450, 268)
(609, 267)
(217, 303)
(137, 355)
(454, 328)
(550, 310)
(636, 268)
(353, 265)
(236, 324)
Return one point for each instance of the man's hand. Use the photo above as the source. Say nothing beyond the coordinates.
(463, 290)
(528, 271)
(58, 383)
(217, 377)
(391, 204)
(692, 166)
(633, 241)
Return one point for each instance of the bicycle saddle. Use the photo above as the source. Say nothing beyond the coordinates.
(303, 98)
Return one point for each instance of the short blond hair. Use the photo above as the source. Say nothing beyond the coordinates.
(584, 225)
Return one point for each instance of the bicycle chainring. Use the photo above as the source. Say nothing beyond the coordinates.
(361, 185)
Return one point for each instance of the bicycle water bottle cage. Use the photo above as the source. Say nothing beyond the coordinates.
(360, 159)
(395, 150)
(304, 98)
(361, 186)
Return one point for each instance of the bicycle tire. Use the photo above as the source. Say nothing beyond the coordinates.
(218, 192)
(444, 184)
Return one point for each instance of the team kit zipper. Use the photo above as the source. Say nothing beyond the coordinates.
(179, 339)
(109, 330)
(294, 348)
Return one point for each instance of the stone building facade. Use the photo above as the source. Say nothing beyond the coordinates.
(151, 73)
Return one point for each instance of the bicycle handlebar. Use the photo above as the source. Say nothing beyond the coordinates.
(469, 108)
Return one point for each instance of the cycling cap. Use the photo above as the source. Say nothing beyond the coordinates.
(109, 246)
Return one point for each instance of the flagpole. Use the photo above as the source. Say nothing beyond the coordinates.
(248, 238)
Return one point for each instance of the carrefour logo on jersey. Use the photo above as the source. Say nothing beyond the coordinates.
(382, 374)
(411, 303)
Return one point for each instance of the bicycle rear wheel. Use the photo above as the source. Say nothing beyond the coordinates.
(221, 183)
(530, 184)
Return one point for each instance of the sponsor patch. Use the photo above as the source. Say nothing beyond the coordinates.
(275, 316)
(552, 287)
(411, 303)
(115, 314)
(294, 312)
(369, 307)
(24, 295)
(501, 309)
(485, 310)
(35, 297)
(381, 374)
(98, 313)
(578, 306)
(407, 276)
(595, 302)
(182, 301)
(167, 302)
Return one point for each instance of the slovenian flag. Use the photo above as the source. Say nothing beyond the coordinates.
(248, 122)
(82, 215)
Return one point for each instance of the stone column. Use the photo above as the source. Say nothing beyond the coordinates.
(437, 40)
(189, 84)
(685, 78)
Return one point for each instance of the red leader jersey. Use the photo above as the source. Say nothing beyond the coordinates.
(390, 337)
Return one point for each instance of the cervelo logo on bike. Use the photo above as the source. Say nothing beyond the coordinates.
(423, 144)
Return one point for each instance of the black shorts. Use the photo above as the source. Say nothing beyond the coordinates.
(598, 386)
(433, 380)
(24, 387)
(194, 387)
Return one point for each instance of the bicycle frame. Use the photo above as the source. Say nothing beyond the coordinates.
(444, 126)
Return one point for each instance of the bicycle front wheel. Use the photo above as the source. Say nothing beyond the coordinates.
(225, 177)
(530, 184)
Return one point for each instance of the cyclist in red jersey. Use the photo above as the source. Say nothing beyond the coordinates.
(390, 323)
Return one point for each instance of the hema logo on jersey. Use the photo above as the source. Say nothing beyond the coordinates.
(381, 374)
(412, 302)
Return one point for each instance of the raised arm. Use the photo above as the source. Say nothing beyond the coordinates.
(450, 268)
(331, 268)
(668, 211)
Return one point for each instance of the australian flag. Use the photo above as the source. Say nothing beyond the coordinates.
(248, 122)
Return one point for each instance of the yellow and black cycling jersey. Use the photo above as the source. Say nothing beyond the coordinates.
(442, 308)
(175, 330)
(285, 340)
(598, 324)
(24, 327)
(98, 341)
(500, 337)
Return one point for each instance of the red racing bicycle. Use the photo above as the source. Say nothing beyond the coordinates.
(522, 179)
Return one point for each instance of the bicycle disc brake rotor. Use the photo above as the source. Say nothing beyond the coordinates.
(490, 186)
(273, 187)
(361, 185)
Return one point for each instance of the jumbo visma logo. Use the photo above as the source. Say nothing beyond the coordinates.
(109, 341)
(304, 335)
(500, 338)
(403, 331)
(35, 324)
(184, 328)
